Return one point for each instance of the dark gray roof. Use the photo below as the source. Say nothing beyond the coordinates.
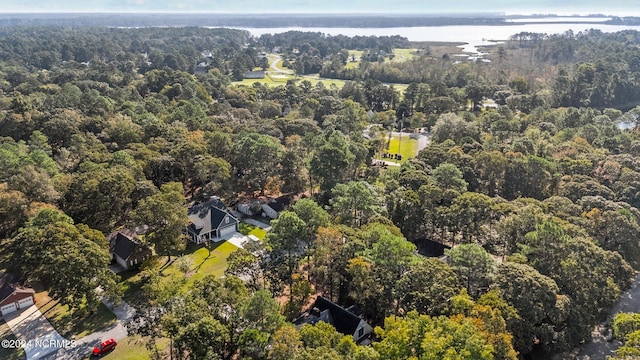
(123, 243)
(208, 215)
(344, 321)
(10, 284)
(280, 203)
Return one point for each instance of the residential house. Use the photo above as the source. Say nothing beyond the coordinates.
(127, 249)
(346, 321)
(274, 207)
(14, 296)
(210, 221)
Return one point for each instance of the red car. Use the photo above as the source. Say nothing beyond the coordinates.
(104, 347)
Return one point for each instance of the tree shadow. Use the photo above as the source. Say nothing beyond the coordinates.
(210, 248)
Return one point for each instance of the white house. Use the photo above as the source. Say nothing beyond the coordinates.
(210, 221)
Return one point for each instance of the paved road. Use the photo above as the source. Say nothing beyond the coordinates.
(274, 67)
(123, 312)
(423, 141)
(599, 348)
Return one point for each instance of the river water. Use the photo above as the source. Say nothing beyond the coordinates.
(472, 35)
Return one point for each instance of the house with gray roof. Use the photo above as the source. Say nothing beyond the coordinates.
(346, 321)
(210, 221)
(127, 249)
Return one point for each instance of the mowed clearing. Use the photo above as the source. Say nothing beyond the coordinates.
(403, 145)
(278, 75)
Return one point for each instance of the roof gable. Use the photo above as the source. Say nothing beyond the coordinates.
(124, 243)
(208, 216)
(9, 285)
(344, 321)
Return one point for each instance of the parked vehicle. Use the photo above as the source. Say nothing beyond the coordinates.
(104, 347)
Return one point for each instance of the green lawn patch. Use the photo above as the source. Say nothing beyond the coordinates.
(357, 54)
(404, 146)
(135, 348)
(9, 353)
(248, 229)
(205, 261)
(403, 54)
(258, 232)
(132, 282)
(79, 322)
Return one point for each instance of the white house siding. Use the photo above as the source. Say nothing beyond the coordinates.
(367, 330)
(122, 262)
(269, 211)
(245, 209)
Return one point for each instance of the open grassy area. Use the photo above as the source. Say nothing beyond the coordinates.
(357, 54)
(134, 348)
(78, 323)
(205, 261)
(9, 353)
(404, 146)
(270, 81)
(248, 229)
(403, 54)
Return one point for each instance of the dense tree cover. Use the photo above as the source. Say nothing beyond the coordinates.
(70, 260)
(528, 195)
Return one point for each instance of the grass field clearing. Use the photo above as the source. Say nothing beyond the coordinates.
(78, 323)
(404, 145)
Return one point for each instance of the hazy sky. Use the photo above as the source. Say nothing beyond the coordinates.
(617, 7)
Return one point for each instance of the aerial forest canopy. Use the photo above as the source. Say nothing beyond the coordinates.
(536, 197)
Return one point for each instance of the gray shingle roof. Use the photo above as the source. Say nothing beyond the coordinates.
(123, 243)
(208, 216)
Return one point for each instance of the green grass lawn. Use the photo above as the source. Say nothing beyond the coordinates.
(354, 64)
(406, 147)
(9, 353)
(248, 229)
(266, 80)
(134, 348)
(258, 232)
(212, 261)
(79, 323)
(204, 261)
(403, 54)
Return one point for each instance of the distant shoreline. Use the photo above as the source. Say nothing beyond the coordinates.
(393, 20)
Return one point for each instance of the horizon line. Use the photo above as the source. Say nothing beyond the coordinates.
(377, 13)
